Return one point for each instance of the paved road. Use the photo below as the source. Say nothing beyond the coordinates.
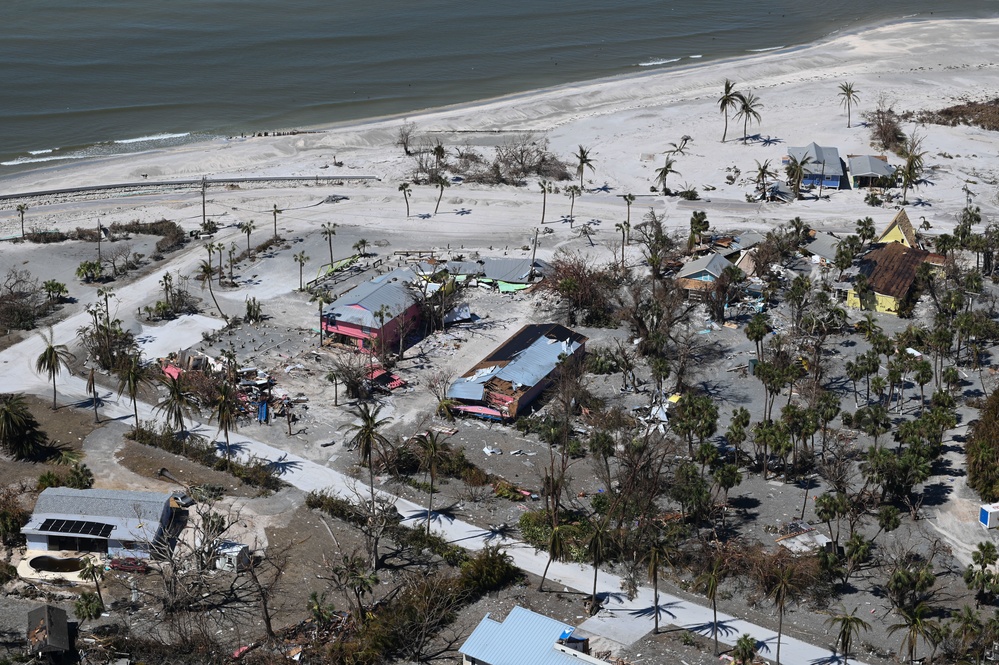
(622, 621)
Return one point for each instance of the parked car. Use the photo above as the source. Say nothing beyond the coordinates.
(181, 500)
(129, 564)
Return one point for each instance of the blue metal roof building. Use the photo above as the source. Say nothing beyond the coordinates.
(513, 375)
(524, 638)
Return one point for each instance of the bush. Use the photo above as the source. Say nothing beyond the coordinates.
(12, 517)
(489, 570)
(7, 573)
(49, 479)
(982, 451)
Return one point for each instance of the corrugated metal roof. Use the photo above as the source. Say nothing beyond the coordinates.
(870, 166)
(820, 156)
(713, 264)
(523, 638)
(464, 267)
(515, 271)
(537, 361)
(749, 239)
(360, 305)
(466, 389)
(823, 245)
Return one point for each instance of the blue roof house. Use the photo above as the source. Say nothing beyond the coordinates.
(525, 638)
(824, 167)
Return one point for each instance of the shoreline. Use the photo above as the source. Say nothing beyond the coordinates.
(652, 74)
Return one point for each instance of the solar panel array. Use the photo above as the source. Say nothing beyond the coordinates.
(77, 527)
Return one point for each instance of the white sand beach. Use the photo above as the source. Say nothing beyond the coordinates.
(912, 65)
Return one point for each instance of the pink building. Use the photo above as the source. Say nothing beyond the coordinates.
(384, 308)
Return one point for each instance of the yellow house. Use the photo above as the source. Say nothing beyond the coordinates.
(891, 273)
(900, 230)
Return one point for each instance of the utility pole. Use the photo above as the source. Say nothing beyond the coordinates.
(204, 189)
(534, 251)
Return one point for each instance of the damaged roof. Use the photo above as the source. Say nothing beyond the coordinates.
(891, 269)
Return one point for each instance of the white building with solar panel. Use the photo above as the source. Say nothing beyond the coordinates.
(112, 522)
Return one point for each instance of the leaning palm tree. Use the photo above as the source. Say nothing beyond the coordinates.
(21, 209)
(94, 572)
(546, 189)
(301, 259)
(667, 169)
(225, 411)
(53, 358)
(796, 170)
(848, 626)
(132, 375)
(583, 161)
(329, 230)
(88, 607)
(19, 433)
(442, 183)
(432, 450)
(204, 275)
(763, 171)
(749, 105)
(407, 191)
(366, 436)
(177, 403)
(917, 625)
(92, 389)
(558, 550)
(849, 95)
(729, 100)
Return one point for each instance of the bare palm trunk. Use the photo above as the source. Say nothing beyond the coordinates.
(714, 625)
(430, 501)
(544, 576)
(655, 599)
(780, 631)
(54, 405)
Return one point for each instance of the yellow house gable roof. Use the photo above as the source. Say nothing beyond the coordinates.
(900, 230)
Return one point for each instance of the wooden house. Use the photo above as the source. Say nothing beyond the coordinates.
(900, 230)
(891, 271)
(824, 167)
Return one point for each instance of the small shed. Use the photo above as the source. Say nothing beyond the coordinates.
(233, 557)
(988, 515)
(48, 631)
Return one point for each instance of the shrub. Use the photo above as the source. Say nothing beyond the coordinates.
(7, 573)
(12, 517)
(982, 451)
(489, 570)
(49, 479)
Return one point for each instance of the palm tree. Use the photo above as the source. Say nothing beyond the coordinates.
(628, 200)
(19, 433)
(407, 191)
(366, 436)
(92, 389)
(849, 95)
(546, 189)
(225, 411)
(132, 375)
(745, 649)
(664, 172)
(849, 626)
(659, 554)
(709, 581)
(558, 550)
(247, 228)
(865, 230)
(623, 228)
(301, 259)
(441, 183)
(53, 358)
(596, 546)
(572, 191)
(583, 161)
(796, 171)
(763, 171)
(204, 275)
(729, 100)
(432, 450)
(21, 209)
(361, 247)
(782, 580)
(916, 624)
(177, 403)
(88, 607)
(277, 211)
(756, 331)
(95, 573)
(329, 230)
(749, 105)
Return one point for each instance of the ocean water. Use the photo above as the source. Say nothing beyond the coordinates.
(88, 77)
